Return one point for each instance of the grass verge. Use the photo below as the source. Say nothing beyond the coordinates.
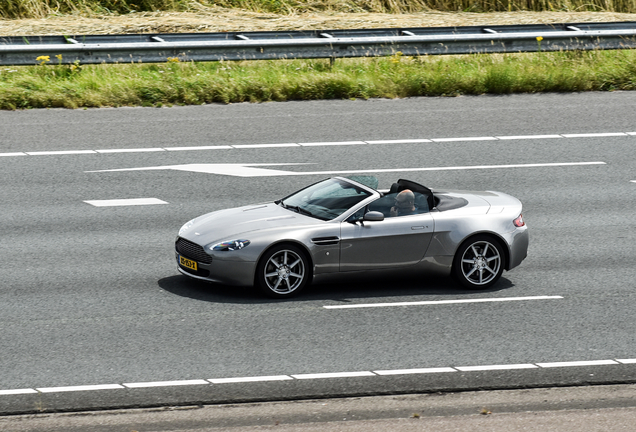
(16, 9)
(179, 83)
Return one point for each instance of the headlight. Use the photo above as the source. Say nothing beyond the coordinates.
(186, 227)
(230, 245)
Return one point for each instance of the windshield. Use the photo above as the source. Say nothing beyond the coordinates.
(325, 200)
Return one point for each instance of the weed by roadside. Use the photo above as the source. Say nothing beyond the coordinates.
(51, 84)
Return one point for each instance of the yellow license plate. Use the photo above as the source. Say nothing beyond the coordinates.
(188, 263)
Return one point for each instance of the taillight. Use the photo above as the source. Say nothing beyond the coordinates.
(519, 221)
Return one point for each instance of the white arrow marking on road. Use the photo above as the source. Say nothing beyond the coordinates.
(236, 170)
(249, 170)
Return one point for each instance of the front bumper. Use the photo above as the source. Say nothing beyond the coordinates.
(239, 273)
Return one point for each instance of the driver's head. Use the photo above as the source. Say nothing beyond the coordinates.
(405, 199)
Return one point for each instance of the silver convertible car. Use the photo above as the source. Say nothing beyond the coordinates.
(345, 225)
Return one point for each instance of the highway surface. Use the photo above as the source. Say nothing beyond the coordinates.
(93, 313)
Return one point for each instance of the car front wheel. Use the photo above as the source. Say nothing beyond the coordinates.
(479, 262)
(282, 271)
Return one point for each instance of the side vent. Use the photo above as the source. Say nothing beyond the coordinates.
(325, 241)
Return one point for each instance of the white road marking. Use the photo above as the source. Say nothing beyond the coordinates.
(577, 363)
(138, 150)
(453, 168)
(336, 143)
(595, 135)
(63, 152)
(165, 383)
(17, 391)
(440, 302)
(404, 141)
(439, 140)
(526, 137)
(221, 147)
(496, 367)
(79, 388)
(484, 368)
(334, 375)
(125, 202)
(250, 379)
(414, 371)
(236, 170)
(249, 170)
(340, 143)
(247, 146)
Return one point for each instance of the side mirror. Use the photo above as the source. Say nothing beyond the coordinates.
(373, 216)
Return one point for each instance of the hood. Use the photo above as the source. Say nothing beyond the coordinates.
(235, 223)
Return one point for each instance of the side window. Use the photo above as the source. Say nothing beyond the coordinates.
(398, 206)
(388, 206)
(383, 204)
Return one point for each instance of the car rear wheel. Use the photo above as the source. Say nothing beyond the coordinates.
(282, 271)
(479, 262)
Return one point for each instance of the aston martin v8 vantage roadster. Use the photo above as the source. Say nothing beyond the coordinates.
(345, 225)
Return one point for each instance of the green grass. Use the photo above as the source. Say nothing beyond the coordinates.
(181, 83)
(42, 8)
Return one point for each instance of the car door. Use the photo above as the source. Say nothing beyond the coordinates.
(391, 243)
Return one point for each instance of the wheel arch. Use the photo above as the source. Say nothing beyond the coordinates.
(499, 238)
(293, 242)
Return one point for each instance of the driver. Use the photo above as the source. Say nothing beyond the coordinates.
(404, 204)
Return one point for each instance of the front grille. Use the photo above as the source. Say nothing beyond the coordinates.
(192, 251)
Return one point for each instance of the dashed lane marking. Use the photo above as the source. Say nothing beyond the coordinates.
(219, 147)
(79, 388)
(250, 379)
(595, 135)
(17, 392)
(316, 144)
(63, 152)
(248, 146)
(137, 150)
(165, 383)
(526, 137)
(125, 202)
(440, 302)
(415, 371)
(441, 140)
(328, 375)
(496, 367)
(577, 363)
(333, 375)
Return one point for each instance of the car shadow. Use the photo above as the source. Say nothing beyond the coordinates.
(344, 290)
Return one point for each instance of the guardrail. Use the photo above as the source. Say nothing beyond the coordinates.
(157, 48)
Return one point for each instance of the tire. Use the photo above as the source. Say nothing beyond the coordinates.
(479, 262)
(283, 271)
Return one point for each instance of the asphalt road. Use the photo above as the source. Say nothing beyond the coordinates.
(89, 295)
